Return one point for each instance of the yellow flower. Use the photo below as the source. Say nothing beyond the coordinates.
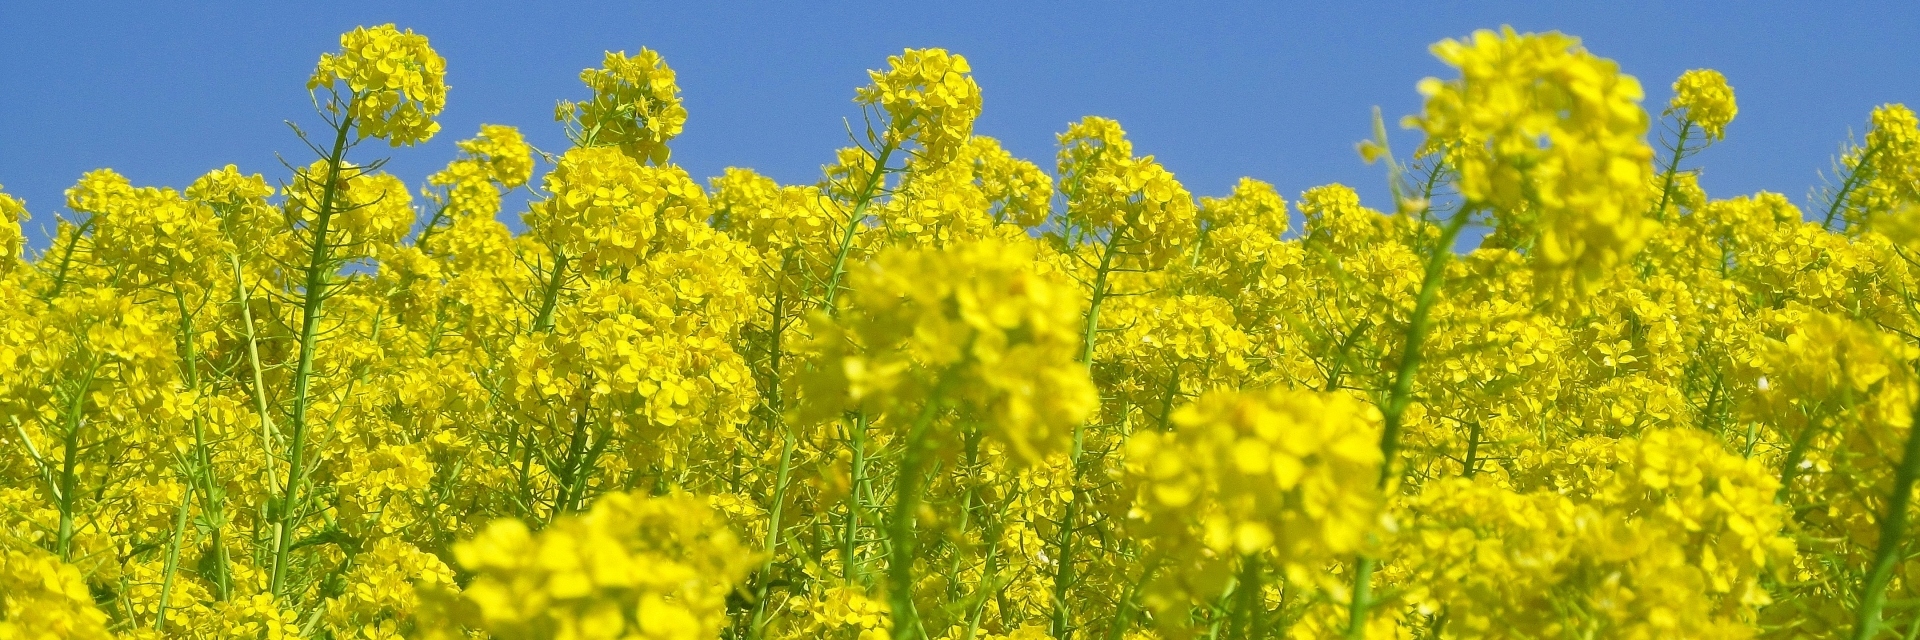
(1550, 138)
(635, 106)
(1293, 473)
(976, 323)
(1122, 199)
(657, 568)
(45, 598)
(500, 159)
(12, 212)
(395, 83)
(1703, 97)
(929, 96)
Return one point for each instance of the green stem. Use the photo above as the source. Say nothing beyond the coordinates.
(69, 479)
(319, 275)
(1064, 576)
(1893, 534)
(1673, 167)
(1790, 467)
(268, 438)
(203, 454)
(1123, 618)
(1471, 464)
(1247, 614)
(66, 258)
(860, 204)
(1860, 170)
(1398, 398)
(570, 467)
(900, 524)
(857, 437)
(173, 558)
(758, 628)
(551, 297)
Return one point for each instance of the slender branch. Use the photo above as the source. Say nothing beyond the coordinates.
(318, 276)
(1893, 538)
(1398, 399)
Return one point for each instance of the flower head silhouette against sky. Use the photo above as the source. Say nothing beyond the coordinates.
(164, 94)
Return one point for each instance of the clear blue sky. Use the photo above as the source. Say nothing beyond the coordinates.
(1216, 91)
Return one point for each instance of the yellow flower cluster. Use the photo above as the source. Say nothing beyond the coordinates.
(1548, 137)
(45, 599)
(943, 392)
(1289, 475)
(632, 567)
(1884, 174)
(12, 212)
(395, 81)
(1126, 199)
(977, 325)
(1666, 536)
(929, 97)
(369, 209)
(606, 207)
(1704, 98)
(635, 106)
(498, 160)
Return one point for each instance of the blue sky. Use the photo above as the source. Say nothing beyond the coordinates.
(1216, 91)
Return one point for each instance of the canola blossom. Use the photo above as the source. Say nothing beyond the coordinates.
(947, 393)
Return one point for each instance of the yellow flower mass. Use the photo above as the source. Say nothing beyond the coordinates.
(947, 393)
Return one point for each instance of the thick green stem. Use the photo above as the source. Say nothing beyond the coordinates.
(1673, 167)
(1861, 170)
(319, 273)
(570, 467)
(857, 441)
(1248, 613)
(1399, 397)
(269, 439)
(1471, 464)
(1893, 538)
(758, 627)
(859, 215)
(1064, 575)
(551, 297)
(202, 468)
(173, 559)
(69, 476)
(1123, 617)
(66, 259)
(900, 523)
(1790, 466)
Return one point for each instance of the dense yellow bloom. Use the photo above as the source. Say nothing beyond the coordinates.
(499, 159)
(635, 106)
(370, 209)
(395, 82)
(1020, 191)
(1704, 98)
(45, 599)
(975, 324)
(632, 567)
(156, 231)
(1666, 536)
(606, 207)
(946, 393)
(1128, 200)
(1548, 137)
(929, 97)
(1253, 203)
(1291, 473)
(1888, 167)
(12, 212)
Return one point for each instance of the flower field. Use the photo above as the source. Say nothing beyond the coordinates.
(946, 393)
